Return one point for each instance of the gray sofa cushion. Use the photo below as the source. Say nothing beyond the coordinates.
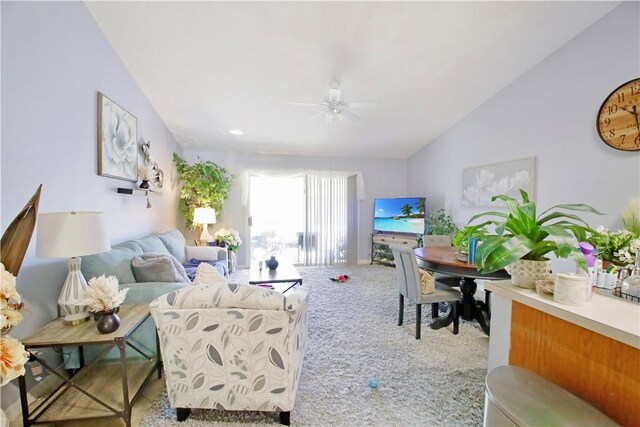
(158, 267)
(174, 242)
(116, 262)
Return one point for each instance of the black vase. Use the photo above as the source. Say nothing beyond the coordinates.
(144, 184)
(272, 263)
(109, 322)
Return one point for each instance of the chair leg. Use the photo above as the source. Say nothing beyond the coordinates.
(182, 413)
(418, 320)
(401, 310)
(435, 310)
(456, 317)
(285, 418)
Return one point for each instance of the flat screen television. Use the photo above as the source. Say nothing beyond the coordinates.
(401, 215)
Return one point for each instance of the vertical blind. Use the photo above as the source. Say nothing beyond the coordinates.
(327, 219)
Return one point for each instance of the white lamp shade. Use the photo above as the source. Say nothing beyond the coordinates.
(71, 234)
(204, 216)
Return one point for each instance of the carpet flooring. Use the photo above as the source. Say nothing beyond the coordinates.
(353, 336)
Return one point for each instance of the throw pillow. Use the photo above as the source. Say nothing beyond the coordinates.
(207, 274)
(156, 267)
(427, 282)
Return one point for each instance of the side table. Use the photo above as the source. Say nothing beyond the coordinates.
(100, 390)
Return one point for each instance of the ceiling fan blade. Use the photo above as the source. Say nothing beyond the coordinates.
(351, 115)
(335, 95)
(304, 104)
(359, 104)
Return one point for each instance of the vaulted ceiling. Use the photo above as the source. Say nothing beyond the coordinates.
(212, 67)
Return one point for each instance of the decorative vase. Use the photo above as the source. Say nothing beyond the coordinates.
(109, 322)
(525, 272)
(272, 263)
(144, 184)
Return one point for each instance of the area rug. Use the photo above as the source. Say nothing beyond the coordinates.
(353, 337)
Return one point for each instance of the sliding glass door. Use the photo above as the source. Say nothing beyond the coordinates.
(278, 216)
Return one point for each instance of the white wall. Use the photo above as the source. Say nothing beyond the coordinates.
(550, 113)
(382, 178)
(54, 60)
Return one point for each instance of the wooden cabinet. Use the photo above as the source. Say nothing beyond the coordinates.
(380, 251)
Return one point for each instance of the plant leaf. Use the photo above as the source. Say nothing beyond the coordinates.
(509, 250)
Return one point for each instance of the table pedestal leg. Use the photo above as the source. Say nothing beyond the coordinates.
(472, 309)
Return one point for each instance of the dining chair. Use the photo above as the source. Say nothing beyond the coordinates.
(430, 240)
(409, 285)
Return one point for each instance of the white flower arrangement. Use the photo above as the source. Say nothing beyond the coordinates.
(230, 237)
(146, 172)
(102, 294)
(13, 355)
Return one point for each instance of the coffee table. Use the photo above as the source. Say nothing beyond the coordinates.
(282, 279)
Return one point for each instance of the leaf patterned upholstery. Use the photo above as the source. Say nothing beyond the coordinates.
(232, 346)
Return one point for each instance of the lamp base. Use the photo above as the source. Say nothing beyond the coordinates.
(205, 237)
(75, 322)
(70, 300)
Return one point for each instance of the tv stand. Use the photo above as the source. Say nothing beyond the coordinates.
(380, 251)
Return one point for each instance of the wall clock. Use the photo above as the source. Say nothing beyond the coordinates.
(618, 121)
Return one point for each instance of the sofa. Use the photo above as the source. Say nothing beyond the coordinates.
(232, 347)
(117, 262)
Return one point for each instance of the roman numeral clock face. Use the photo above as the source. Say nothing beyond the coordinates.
(619, 117)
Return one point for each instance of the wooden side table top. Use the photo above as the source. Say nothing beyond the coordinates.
(55, 333)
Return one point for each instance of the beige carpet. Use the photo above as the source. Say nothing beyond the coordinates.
(353, 336)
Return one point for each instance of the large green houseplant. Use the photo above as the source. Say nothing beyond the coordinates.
(204, 184)
(522, 235)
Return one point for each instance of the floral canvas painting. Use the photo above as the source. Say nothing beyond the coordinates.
(481, 183)
(117, 141)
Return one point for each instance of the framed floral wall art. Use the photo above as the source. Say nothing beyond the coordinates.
(481, 183)
(117, 141)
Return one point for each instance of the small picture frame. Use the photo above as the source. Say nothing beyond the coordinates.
(117, 141)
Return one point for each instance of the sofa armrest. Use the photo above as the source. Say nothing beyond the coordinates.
(297, 298)
(207, 253)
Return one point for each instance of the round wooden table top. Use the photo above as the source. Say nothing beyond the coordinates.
(443, 259)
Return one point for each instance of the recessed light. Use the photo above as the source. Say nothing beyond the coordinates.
(235, 132)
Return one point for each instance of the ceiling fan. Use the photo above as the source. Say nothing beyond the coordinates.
(334, 106)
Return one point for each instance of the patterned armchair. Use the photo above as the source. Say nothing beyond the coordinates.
(232, 347)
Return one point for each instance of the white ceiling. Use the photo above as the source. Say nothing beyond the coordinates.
(210, 67)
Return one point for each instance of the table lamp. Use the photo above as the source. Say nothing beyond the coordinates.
(71, 235)
(204, 216)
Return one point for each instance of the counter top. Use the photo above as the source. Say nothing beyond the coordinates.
(612, 317)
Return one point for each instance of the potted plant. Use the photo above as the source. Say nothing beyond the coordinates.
(103, 297)
(204, 184)
(523, 238)
(461, 237)
(619, 247)
(439, 223)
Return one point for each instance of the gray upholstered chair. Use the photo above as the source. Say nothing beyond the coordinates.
(429, 240)
(409, 283)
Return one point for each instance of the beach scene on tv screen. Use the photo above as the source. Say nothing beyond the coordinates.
(399, 215)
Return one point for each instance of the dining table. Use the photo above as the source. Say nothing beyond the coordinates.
(446, 260)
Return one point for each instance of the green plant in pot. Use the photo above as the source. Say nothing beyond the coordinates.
(523, 238)
(461, 237)
(204, 184)
(439, 223)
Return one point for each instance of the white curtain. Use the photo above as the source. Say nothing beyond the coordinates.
(327, 204)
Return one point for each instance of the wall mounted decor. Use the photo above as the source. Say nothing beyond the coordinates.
(618, 122)
(481, 183)
(151, 166)
(117, 141)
